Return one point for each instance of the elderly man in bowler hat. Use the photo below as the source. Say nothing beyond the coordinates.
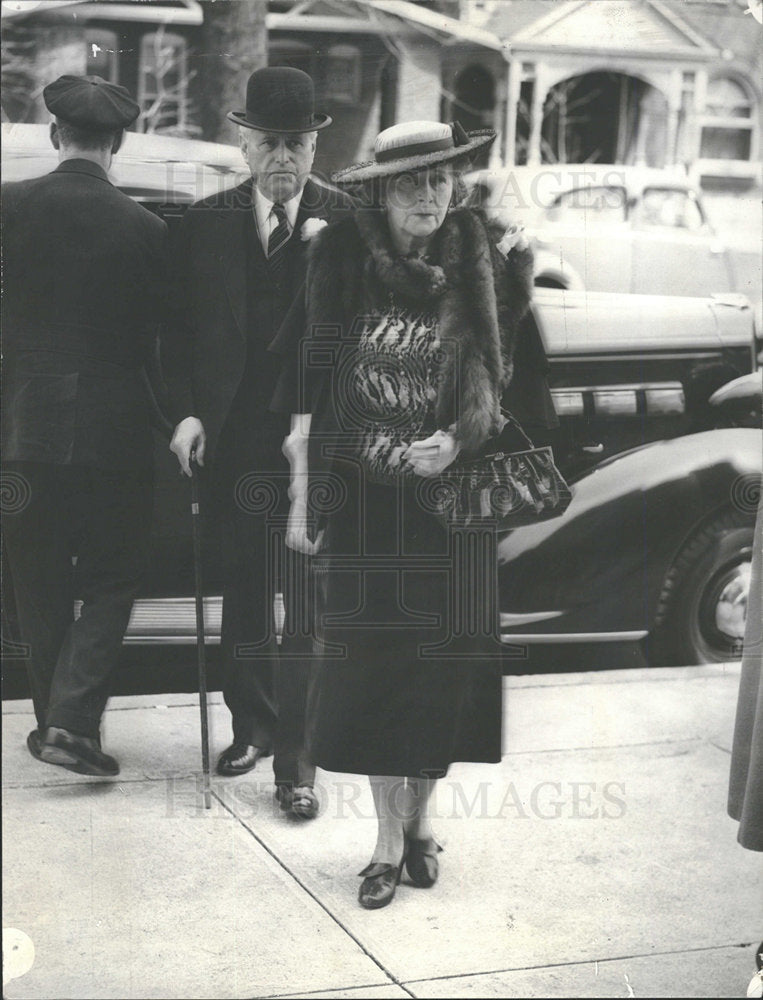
(84, 273)
(240, 261)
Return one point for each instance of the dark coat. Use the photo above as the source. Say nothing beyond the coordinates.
(84, 278)
(745, 801)
(205, 352)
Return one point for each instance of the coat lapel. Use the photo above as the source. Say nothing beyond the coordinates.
(311, 206)
(233, 246)
(233, 255)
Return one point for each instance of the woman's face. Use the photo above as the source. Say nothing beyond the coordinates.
(417, 202)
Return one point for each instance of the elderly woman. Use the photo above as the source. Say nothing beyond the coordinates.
(412, 317)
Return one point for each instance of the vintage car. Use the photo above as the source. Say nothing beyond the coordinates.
(654, 550)
(612, 228)
(661, 439)
(165, 172)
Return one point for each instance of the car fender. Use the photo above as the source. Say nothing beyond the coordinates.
(550, 268)
(601, 566)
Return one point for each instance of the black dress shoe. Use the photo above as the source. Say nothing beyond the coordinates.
(378, 887)
(239, 758)
(421, 862)
(34, 743)
(301, 802)
(81, 754)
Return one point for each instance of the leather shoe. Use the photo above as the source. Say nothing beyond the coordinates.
(378, 887)
(81, 754)
(301, 802)
(421, 862)
(34, 743)
(239, 758)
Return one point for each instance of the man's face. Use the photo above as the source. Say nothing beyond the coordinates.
(280, 163)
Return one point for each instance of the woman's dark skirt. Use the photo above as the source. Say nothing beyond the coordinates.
(408, 678)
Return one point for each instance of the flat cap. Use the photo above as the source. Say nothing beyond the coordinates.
(90, 102)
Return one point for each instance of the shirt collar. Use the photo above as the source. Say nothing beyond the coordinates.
(264, 206)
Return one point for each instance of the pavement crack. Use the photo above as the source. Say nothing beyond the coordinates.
(352, 990)
(605, 746)
(584, 961)
(717, 746)
(316, 899)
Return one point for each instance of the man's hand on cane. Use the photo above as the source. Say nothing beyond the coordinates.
(188, 442)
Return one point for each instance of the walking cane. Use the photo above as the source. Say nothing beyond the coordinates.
(200, 643)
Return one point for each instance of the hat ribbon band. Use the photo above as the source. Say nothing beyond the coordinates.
(415, 149)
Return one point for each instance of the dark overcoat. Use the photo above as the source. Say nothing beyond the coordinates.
(84, 277)
(746, 780)
(218, 305)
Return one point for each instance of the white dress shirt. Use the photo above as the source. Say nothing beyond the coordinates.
(266, 219)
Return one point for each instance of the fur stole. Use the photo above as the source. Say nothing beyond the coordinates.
(478, 296)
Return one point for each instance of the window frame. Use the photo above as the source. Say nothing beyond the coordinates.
(730, 123)
(348, 53)
(144, 95)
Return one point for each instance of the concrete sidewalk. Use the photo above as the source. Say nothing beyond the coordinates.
(596, 861)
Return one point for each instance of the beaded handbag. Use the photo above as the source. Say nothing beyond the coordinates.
(511, 484)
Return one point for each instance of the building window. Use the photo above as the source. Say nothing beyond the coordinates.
(342, 81)
(163, 83)
(727, 124)
(336, 72)
(102, 52)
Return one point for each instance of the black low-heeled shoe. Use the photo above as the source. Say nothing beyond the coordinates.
(378, 886)
(421, 862)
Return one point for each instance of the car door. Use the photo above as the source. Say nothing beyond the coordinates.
(674, 249)
(585, 230)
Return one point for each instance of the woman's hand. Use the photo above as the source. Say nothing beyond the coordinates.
(297, 536)
(434, 454)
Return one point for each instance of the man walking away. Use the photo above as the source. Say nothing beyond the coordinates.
(84, 268)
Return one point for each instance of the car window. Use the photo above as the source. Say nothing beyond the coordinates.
(667, 208)
(595, 204)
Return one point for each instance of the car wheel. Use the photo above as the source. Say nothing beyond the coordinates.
(703, 605)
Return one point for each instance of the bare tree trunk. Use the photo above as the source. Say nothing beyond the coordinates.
(235, 44)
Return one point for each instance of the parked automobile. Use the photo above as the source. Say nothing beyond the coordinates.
(165, 172)
(612, 228)
(655, 547)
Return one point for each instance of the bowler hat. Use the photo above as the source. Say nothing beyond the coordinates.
(90, 102)
(414, 146)
(280, 99)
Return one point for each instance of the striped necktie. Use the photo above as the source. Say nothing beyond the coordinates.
(279, 236)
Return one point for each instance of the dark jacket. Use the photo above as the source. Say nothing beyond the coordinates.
(84, 270)
(205, 352)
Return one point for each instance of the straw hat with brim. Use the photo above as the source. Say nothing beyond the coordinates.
(414, 146)
(280, 99)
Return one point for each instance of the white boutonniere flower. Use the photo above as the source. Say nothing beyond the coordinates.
(310, 227)
(514, 237)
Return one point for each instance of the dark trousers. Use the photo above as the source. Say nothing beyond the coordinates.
(291, 763)
(103, 518)
(264, 687)
(249, 651)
